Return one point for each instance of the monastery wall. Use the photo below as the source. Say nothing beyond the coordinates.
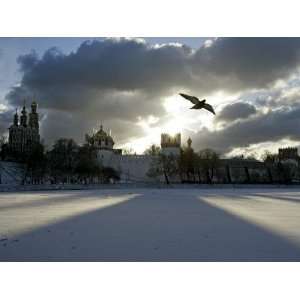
(134, 168)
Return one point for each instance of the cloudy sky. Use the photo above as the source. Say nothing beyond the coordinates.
(131, 85)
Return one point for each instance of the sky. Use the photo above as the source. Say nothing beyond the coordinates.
(131, 86)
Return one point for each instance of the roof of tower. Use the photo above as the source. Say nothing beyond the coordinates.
(23, 109)
(16, 118)
(102, 135)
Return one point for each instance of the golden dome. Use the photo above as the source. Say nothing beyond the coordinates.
(101, 135)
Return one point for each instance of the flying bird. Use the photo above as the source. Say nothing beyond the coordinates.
(197, 103)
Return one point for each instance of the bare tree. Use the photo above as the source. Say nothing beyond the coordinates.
(163, 165)
(152, 150)
(35, 165)
(62, 159)
(127, 151)
(187, 164)
(88, 167)
(208, 161)
(3, 146)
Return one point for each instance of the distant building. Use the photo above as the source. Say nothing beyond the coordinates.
(24, 132)
(132, 167)
(170, 144)
(24, 135)
(104, 144)
(288, 154)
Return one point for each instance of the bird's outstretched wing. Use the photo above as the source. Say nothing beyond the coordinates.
(193, 99)
(209, 108)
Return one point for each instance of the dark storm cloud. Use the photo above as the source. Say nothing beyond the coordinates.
(269, 127)
(75, 125)
(241, 63)
(238, 110)
(118, 80)
(128, 65)
(124, 65)
(28, 61)
(110, 81)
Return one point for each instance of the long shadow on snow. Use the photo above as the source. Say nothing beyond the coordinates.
(147, 228)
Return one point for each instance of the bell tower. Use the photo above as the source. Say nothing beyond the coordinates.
(16, 119)
(33, 116)
(23, 119)
(170, 144)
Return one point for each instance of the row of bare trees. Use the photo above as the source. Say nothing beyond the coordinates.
(189, 166)
(65, 162)
(204, 167)
(68, 162)
(285, 171)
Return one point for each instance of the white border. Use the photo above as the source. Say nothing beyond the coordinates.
(247, 281)
(149, 280)
(149, 18)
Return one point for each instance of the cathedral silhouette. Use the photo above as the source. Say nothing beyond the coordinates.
(23, 133)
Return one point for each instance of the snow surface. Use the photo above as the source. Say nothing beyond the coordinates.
(151, 225)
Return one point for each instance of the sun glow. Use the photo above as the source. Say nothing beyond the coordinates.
(172, 127)
(178, 118)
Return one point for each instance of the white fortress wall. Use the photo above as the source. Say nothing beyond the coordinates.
(106, 157)
(134, 168)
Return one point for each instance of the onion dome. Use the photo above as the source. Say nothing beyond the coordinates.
(33, 106)
(102, 139)
(16, 118)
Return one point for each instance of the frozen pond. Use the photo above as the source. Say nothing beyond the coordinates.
(151, 225)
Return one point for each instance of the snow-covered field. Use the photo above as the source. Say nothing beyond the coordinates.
(151, 225)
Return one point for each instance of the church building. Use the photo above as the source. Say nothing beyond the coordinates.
(24, 132)
(131, 167)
